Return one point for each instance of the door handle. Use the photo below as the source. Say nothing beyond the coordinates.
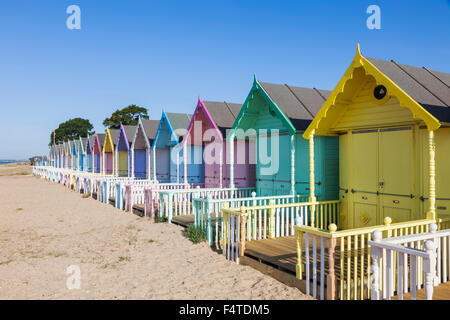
(364, 198)
(396, 201)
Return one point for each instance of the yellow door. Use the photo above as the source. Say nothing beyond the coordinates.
(364, 173)
(396, 173)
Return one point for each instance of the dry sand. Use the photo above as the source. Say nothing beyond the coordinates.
(45, 228)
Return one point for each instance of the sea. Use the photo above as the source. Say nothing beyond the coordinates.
(12, 161)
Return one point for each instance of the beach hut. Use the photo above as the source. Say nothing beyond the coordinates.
(167, 154)
(206, 131)
(65, 156)
(140, 151)
(89, 152)
(99, 140)
(82, 160)
(108, 151)
(276, 116)
(392, 121)
(75, 154)
(122, 150)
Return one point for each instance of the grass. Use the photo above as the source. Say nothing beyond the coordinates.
(5, 262)
(195, 234)
(160, 219)
(22, 173)
(124, 259)
(19, 209)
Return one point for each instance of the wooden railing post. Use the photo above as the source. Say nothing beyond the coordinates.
(375, 253)
(387, 222)
(429, 268)
(272, 218)
(243, 232)
(331, 276)
(225, 228)
(299, 267)
(209, 209)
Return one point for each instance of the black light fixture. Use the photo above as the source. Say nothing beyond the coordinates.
(379, 92)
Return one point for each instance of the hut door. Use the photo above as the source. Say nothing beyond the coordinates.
(163, 164)
(364, 171)
(264, 177)
(396, 173)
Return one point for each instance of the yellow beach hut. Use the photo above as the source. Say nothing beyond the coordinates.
(109, 151)
(393, 124)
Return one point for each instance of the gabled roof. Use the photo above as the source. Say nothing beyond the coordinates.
(178, 121)
(223, 114)
(129, 132)
(84, 143)
(114, 134)
(150, 128)
(91, 139)
(101, 138)
(300, 105)
(425, 93)
(431, 89)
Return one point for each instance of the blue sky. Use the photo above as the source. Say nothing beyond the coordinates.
(163, 54)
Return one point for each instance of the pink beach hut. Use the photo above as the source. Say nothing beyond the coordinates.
(207, 130)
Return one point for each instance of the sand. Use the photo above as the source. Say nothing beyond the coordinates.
(45, 228)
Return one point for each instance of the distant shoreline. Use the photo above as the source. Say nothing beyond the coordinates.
(12, 161)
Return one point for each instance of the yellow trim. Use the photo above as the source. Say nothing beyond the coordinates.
(393, 90)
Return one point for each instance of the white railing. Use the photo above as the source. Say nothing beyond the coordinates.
(409, 263)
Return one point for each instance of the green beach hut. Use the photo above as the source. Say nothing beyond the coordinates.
(275, 116)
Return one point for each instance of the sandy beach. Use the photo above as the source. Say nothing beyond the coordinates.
(45, 228)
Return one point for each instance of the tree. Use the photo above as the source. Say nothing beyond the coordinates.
(72, 129)
(127, 116)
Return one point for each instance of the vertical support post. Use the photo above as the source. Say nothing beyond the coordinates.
(220, 166)
(429, 268)
(331, 276)
(272, 218)
(225, 228)
(231, 160)
(243, 232)
(178, 164)
(293, 164)
(299, 267)
(375, 254)
(154, 161)
(185, 162)
(312, 195)
(132, 163)
(431, 214)
(116, 162)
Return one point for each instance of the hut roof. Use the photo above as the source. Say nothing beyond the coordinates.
(91, 140)
(129, 132)
(101, 138)
(114, 134)
(431, 89)
(150, 127)
(300, 105)
(179, 121)
(224, 114)
(84, 143)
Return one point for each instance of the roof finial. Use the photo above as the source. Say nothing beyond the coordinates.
(358, 51)
(254, 78)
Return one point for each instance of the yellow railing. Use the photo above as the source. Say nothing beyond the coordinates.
(274, 220)
(347, 256)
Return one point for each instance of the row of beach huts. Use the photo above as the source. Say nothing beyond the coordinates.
(344, 194)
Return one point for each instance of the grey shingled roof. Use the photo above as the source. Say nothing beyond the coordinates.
(114, 134)
(429, 88)
(223, 113)
(91, 140)
(84, 143)
(150, 127)
(101, 139)
(179, 121)
(129, 132)
(299, 104)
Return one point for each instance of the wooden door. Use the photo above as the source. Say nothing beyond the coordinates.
(264, 177)
(364, 173)
(396, 173)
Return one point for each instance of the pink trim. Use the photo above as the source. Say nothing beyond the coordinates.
(200, 106)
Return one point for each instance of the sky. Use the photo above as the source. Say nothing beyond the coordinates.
(164, 54)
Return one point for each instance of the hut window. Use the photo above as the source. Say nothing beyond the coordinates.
(380, 92)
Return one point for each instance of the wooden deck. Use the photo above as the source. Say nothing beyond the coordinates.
(183, 220)
(440, 292)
